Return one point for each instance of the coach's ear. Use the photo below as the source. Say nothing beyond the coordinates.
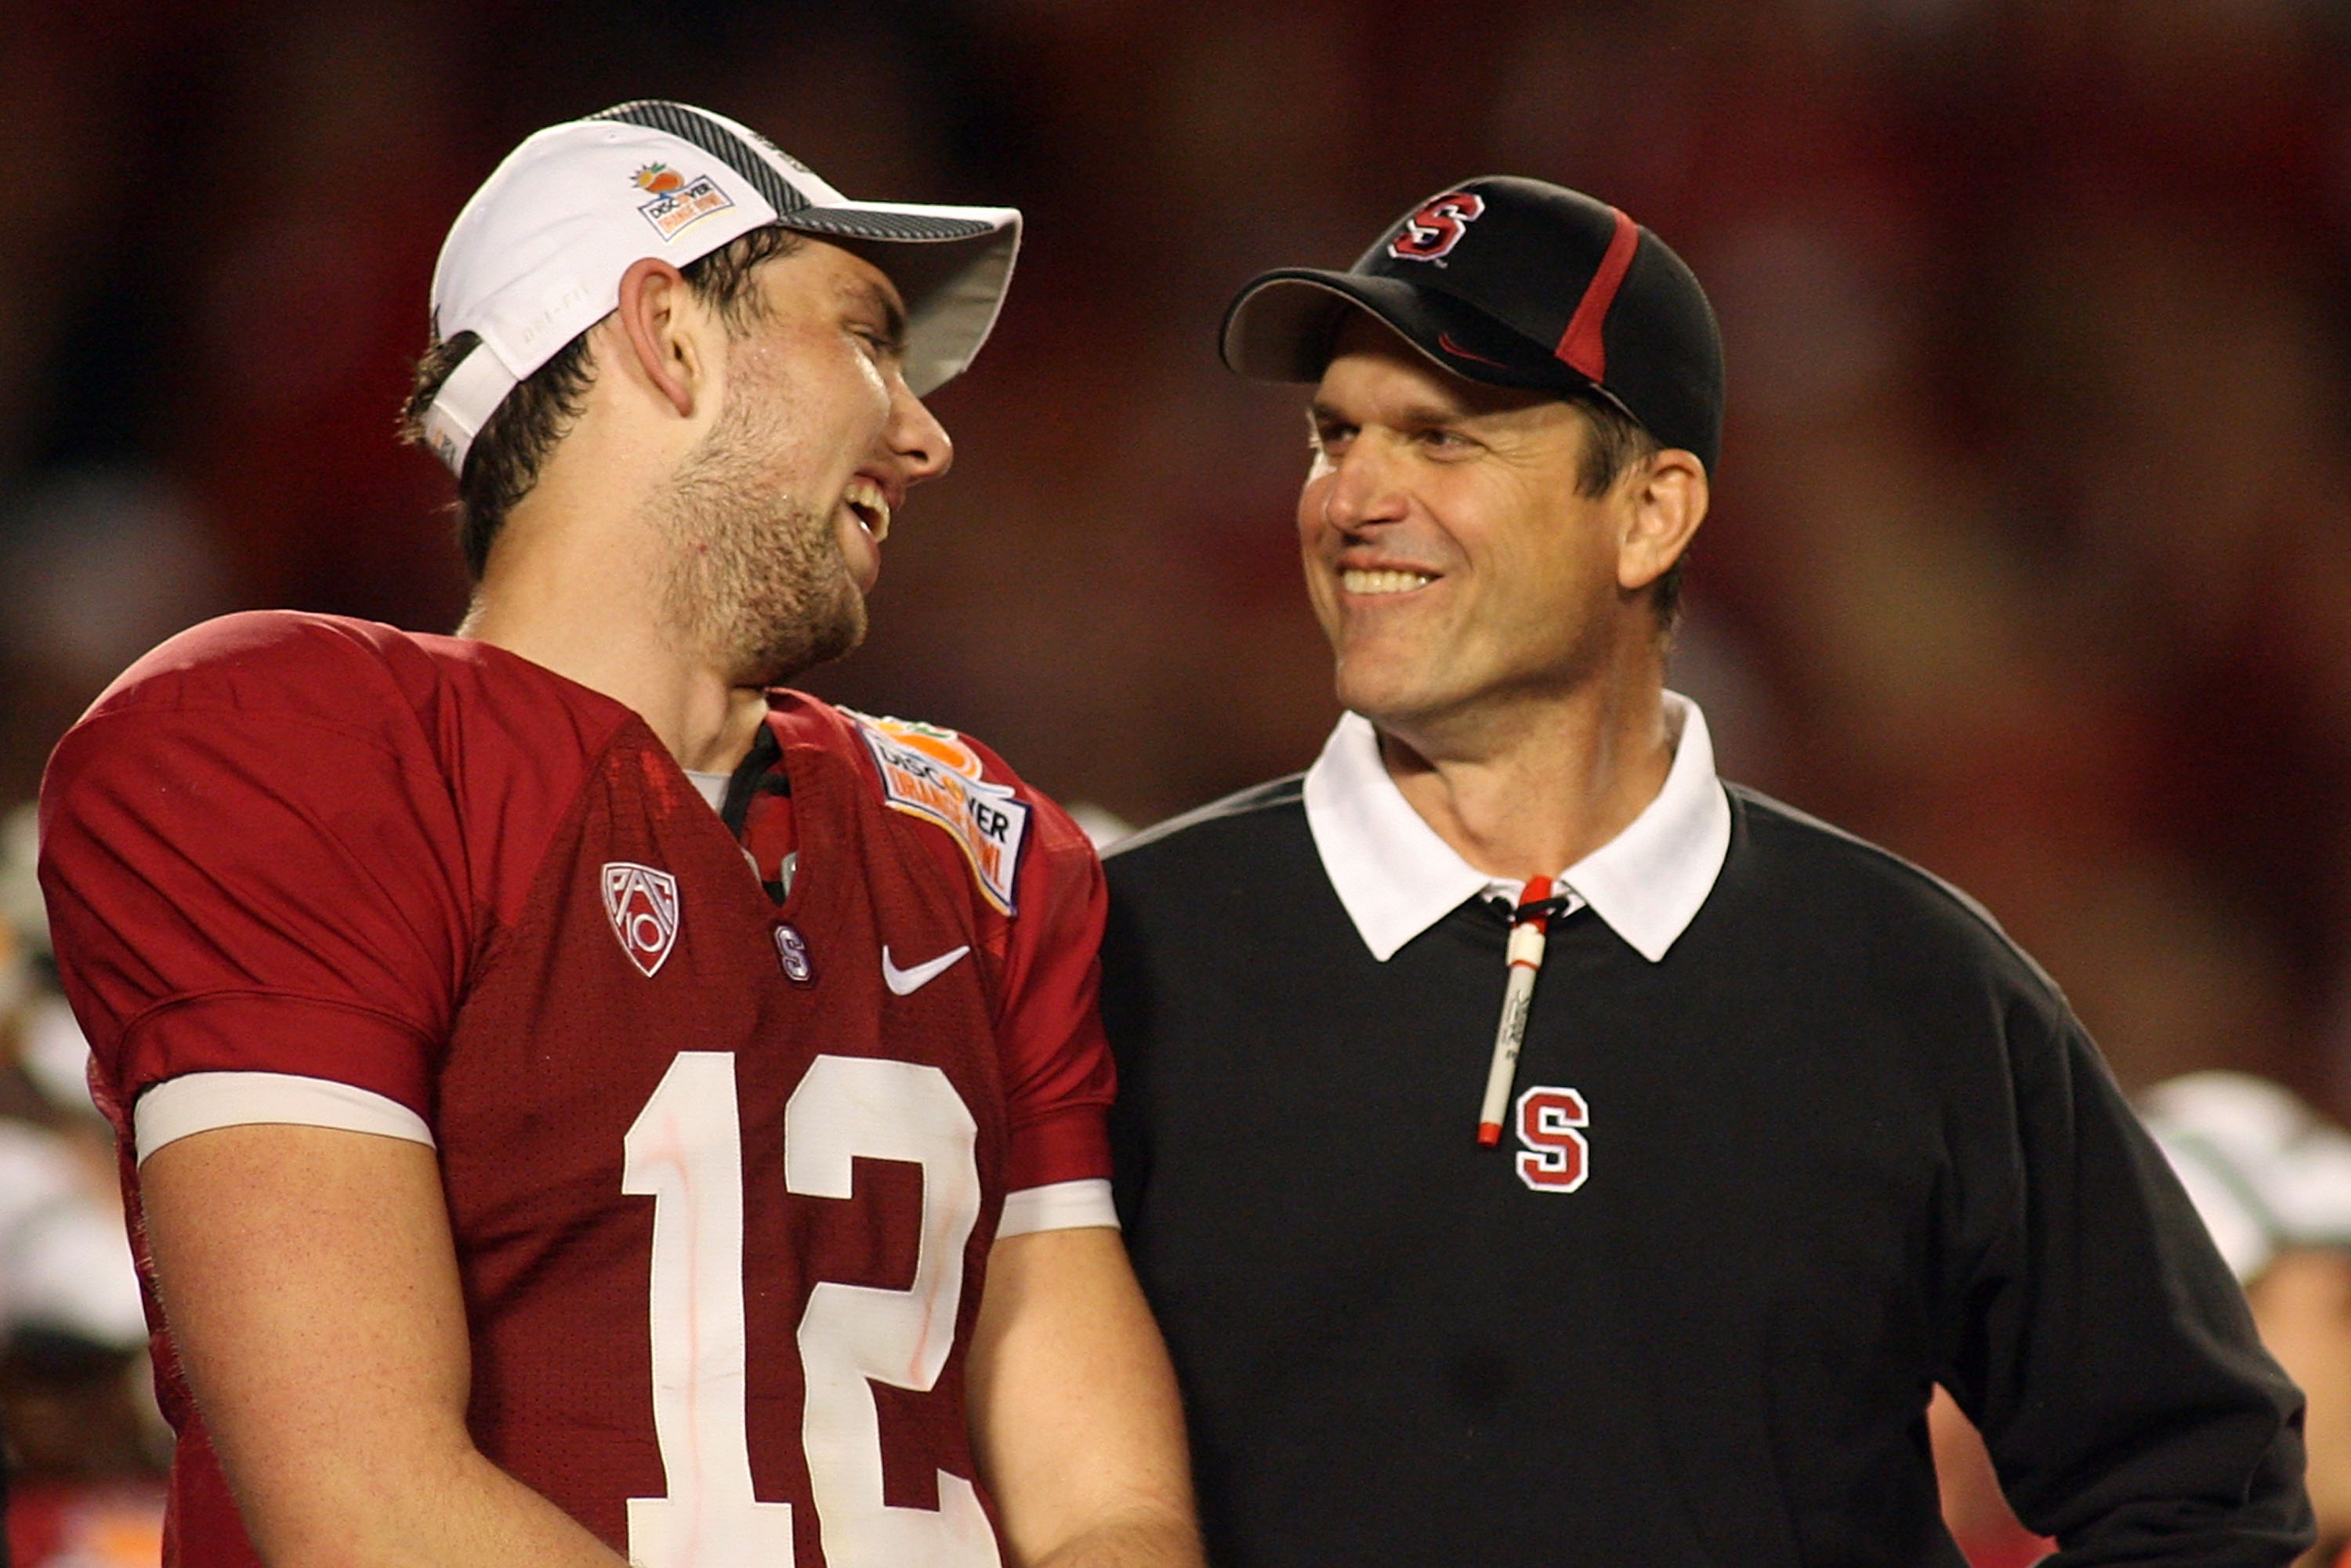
(665, 334)
(1665, 499)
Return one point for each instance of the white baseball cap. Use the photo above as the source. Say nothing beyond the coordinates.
(536, 257)
(2265, 1172)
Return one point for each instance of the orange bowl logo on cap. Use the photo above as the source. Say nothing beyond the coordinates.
(677, 200)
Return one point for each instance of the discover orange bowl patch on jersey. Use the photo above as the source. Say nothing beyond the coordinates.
(931, 773)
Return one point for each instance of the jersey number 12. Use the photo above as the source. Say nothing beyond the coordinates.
(685, 1152)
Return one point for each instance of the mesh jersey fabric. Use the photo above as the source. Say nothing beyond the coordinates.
(310, 845)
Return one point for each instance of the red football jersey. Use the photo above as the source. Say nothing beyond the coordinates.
(723, 1173)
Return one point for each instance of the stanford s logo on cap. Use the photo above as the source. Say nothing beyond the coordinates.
(1437, 228)
(643, 903)
(678, 203)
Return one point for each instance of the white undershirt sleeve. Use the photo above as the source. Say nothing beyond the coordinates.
(199, 1102)
(1058, 1205)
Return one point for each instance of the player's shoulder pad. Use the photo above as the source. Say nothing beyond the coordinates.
(265, 659)
(375, 685)
(945, 779)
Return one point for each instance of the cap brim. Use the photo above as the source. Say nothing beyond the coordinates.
(1282, 325)
(951, 264)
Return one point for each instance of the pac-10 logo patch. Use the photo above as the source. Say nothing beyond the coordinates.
(1552, 1155)
(643, 903)
(1437, 228)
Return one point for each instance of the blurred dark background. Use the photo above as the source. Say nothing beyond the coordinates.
(2031, 554)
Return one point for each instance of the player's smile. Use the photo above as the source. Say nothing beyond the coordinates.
(833, 358)
(705, 419)
(867, 503)
(871, 503)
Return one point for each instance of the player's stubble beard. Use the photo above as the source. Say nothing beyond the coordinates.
(754, 582)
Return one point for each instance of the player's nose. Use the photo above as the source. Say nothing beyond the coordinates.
(916, 438)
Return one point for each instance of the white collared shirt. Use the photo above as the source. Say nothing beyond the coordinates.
(1397, 878)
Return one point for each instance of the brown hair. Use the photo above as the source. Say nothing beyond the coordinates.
(512, 445)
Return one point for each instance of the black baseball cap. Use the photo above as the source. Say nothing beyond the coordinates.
(1517, 283)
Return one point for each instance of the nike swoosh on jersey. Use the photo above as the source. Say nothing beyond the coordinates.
(907, 982)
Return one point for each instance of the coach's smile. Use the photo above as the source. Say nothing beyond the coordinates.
(1376, 580)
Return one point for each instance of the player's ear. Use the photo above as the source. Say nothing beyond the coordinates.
(666, 335)
(1665, 501)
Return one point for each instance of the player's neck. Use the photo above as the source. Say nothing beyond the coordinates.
(585, 601)
(1531, 784)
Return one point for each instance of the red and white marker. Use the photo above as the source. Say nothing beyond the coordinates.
(1526, 956)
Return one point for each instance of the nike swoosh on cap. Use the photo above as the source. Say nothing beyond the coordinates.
(1445, 341)
(907, 982)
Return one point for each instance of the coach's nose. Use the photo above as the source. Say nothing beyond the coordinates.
(1360, 487)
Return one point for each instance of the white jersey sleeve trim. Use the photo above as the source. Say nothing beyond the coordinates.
(199, 1102)
(1058, 1205)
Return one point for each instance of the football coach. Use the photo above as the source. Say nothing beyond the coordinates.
(1538, 1150)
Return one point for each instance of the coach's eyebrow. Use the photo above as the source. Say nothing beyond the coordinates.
(1416, 416)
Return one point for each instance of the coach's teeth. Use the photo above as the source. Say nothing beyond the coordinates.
(1359, 581)
(871, 507)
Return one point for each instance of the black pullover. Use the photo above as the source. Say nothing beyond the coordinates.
(1845, 1142)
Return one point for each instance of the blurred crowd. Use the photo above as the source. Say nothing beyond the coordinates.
(2030, 554)
(85, 1441)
